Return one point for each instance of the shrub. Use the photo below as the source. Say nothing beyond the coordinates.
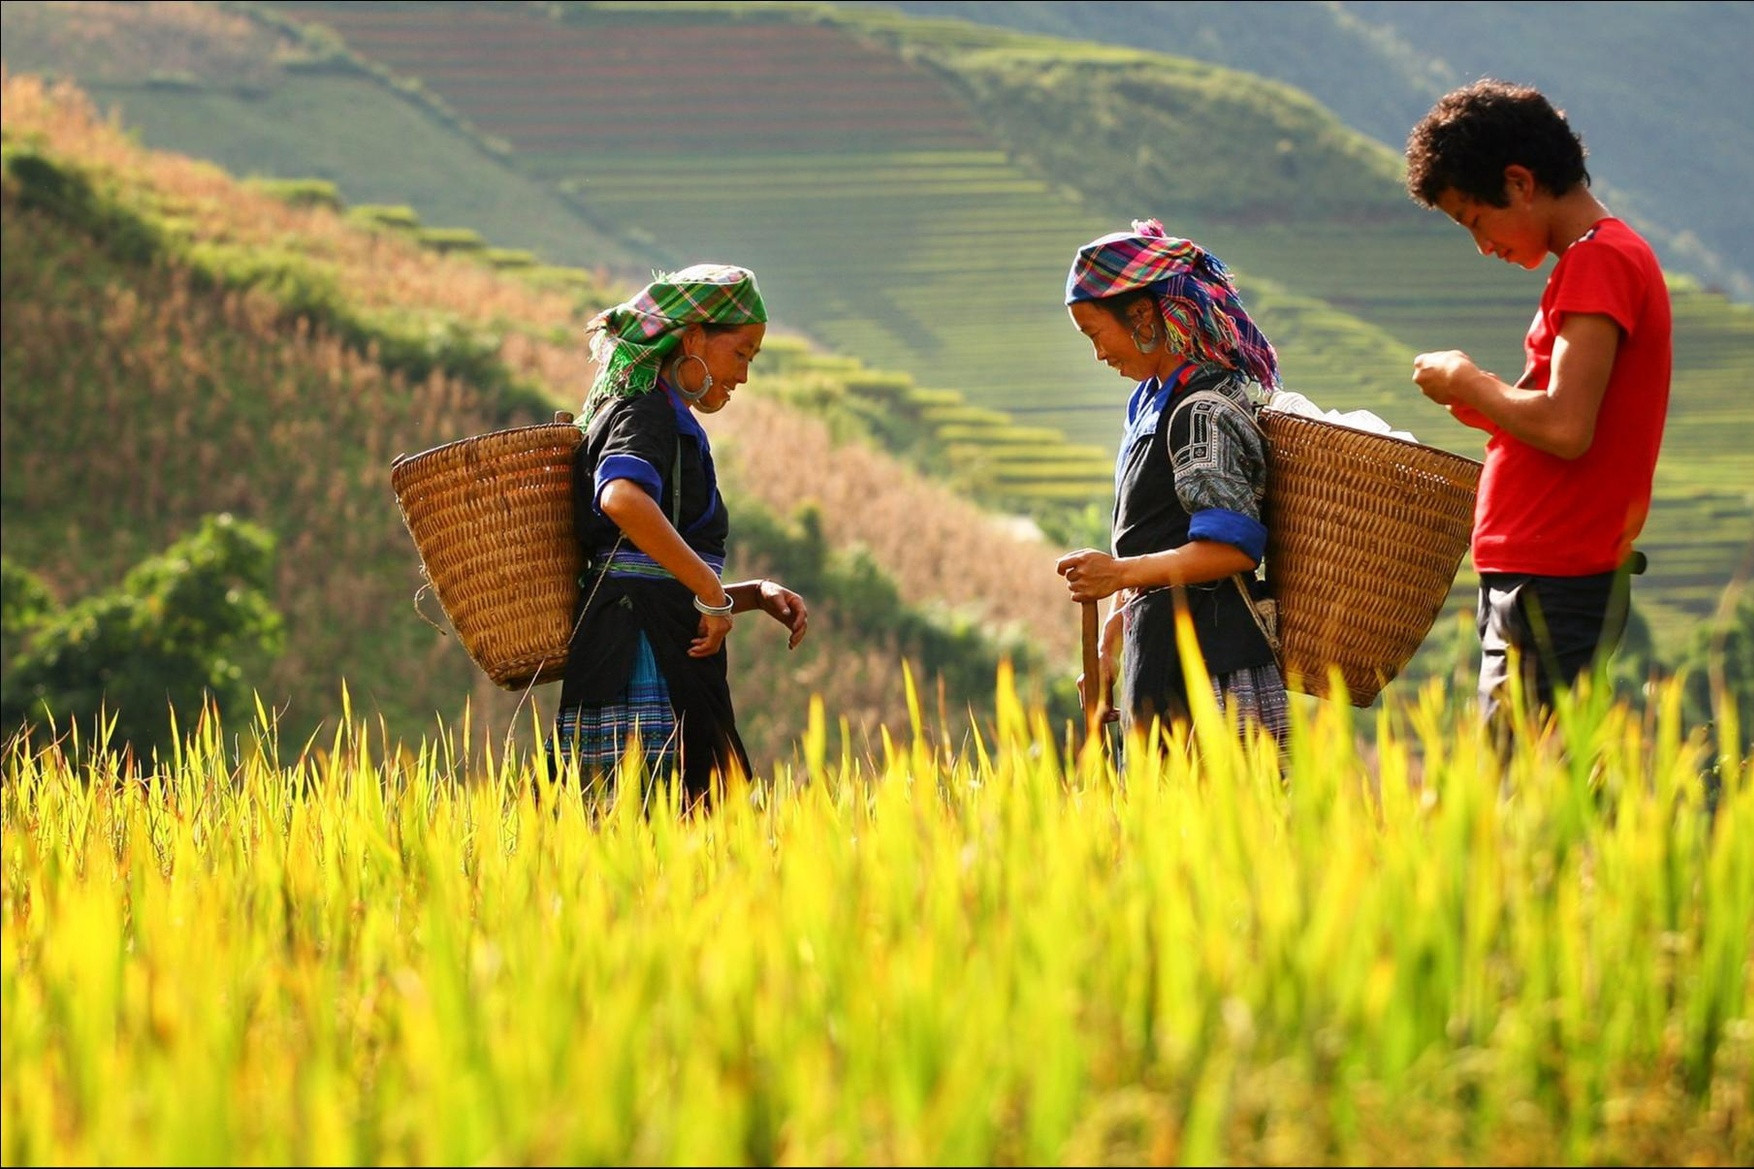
(384, 215)
(174, 636)
(451, 239)
(509, 258)
(301, 192)
(44, 184)
(174, 80)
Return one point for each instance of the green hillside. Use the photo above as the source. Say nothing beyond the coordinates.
(217, 83)
(1669, 139)
(135, 403)
(162, 363)
(878, 214)
(263, 95)
(894, 211)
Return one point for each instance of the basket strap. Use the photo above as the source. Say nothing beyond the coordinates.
(676, 488)
(1267, 623)
(602, 572)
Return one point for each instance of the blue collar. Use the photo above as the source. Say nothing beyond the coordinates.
(686, 422)
(1149, 398)
(1145, 409)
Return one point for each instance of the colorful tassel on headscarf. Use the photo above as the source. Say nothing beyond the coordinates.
(631, 341)
(1199, 303)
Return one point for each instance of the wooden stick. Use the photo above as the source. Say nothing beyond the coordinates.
(1092, 671)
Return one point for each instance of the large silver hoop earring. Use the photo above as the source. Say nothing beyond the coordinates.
(706, 378)
(1149, 342)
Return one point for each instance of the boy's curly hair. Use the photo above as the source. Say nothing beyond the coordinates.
(1473, 133)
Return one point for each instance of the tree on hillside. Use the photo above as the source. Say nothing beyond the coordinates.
(177, 632)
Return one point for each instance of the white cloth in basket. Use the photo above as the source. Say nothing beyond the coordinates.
(1292, 402)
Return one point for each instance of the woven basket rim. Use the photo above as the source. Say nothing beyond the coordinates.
(402, 460)
(1425, 449)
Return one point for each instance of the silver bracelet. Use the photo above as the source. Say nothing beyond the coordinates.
(723, 610)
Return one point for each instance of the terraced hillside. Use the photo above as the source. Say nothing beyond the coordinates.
(876, 210)
(911, 191)
(889, 205)
(210, 81)
(1667, 139)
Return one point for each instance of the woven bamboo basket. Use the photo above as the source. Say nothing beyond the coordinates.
(492, 519)
(1364, 536)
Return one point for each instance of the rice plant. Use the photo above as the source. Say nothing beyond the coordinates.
(1379, 945)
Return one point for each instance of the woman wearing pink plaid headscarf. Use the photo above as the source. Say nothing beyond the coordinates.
(1189, 479)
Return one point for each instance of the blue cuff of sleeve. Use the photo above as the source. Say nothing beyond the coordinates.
(1230, 527)
(625, 467)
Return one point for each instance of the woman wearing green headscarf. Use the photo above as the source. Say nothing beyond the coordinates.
(647, 657)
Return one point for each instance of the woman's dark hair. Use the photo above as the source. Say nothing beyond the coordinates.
(1118, 305)
(1473, 133)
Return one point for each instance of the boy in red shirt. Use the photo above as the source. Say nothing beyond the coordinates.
(1573, 448)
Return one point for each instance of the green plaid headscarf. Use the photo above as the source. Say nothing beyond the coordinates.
(631, 341)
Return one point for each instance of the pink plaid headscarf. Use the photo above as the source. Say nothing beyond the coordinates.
(1198, 300)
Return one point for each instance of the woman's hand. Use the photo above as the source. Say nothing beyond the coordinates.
(1091, 575)
(777, 601)
(711, 636)
(786, 607)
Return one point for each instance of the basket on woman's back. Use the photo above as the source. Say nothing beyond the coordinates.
(492, 519)
(1365, 533)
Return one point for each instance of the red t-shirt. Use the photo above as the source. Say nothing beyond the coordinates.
(1542, 514)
